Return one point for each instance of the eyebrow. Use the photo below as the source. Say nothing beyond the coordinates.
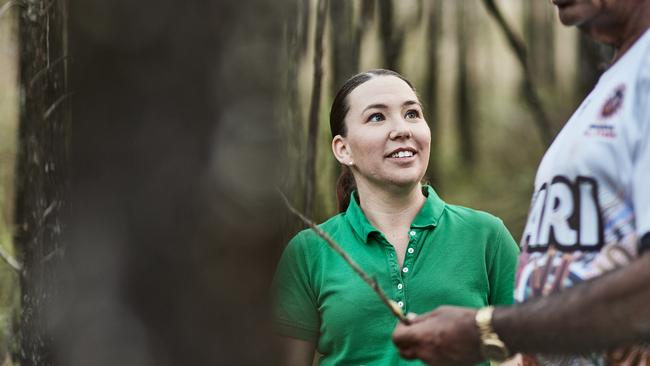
(384, 106)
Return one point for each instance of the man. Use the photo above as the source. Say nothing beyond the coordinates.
(584, 275)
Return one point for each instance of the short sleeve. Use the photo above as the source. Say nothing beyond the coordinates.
(295, 311)
(502, 267)
(641, 154)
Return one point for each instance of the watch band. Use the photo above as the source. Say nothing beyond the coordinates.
(492, 347)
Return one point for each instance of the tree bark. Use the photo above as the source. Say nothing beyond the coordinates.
(41, 176)
(392, 36)
(464, 106)
(314, 110)
(174, 226)
(345, 54)
(434, 30)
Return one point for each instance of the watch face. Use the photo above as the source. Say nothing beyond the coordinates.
(494, 349)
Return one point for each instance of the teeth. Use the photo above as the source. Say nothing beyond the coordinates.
(402, 154)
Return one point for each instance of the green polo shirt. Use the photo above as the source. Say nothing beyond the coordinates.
(455, 256)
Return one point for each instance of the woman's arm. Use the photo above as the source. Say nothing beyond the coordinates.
(296, 352)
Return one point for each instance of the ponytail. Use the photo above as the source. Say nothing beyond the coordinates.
(345, 185)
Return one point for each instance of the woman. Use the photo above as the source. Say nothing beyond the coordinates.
(423, 252)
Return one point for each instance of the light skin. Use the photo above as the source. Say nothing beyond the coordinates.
(386, 146)
(596, 315)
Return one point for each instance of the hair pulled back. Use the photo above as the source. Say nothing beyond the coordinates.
(340, 107)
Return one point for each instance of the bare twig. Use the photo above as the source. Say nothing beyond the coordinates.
(532, 98)
(11, 261)
(371, 281)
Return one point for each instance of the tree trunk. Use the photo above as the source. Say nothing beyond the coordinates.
(392, 37)
(464, 104)
(41, 176)
(539, 23)
(174, 227)
(314, 110)
(434, 30)
(345, 53)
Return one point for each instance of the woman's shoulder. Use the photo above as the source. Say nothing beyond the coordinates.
(473, 215)
(308, 236)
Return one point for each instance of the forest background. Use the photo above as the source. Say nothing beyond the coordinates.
(491, 118)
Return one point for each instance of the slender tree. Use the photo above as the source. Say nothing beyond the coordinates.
(391, 34)
(42, 179)
(433, 34)
(314, 109)
(464, 100)
(342, 37)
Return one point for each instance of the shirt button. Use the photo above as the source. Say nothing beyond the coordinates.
(405, 269)
(399, 286)
(411, 250)
(412, 233)
(400, 304)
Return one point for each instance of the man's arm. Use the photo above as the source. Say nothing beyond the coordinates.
(606, 312)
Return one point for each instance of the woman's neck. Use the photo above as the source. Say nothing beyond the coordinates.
(388, 210)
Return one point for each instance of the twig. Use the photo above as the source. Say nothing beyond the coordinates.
(532, 98)
(11, 261)
(371, 281)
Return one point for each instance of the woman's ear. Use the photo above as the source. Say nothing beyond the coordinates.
(341, 150)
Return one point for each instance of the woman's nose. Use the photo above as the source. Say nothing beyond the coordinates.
(400, 129)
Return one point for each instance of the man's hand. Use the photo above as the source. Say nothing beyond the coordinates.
(446, 336)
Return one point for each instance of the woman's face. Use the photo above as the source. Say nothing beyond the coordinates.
(387, 137)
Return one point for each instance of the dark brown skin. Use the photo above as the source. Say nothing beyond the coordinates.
(612, 310)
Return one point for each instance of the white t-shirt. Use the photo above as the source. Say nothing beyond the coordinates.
(591, 204)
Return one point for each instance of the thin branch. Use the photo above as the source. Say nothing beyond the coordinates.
(371, 281)
(532, 98)
(11, 261)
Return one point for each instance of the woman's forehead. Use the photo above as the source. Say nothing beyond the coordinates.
(387, 90)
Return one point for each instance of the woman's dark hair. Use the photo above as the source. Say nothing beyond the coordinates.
(340, 107)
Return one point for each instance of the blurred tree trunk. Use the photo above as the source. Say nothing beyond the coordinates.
(175, 152)
(364, 21)
(314, 109)
(593, 59)
(41, 177)
(345, 51)
(391, 35)
(538, 32)
(464, 98)
(433, 33)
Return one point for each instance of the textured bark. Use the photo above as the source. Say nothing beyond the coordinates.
(314, 109)
(42, 179)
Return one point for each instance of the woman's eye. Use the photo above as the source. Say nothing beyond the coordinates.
(376, 117)
(412, 114)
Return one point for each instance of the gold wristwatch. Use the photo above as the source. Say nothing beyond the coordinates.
(492, 347)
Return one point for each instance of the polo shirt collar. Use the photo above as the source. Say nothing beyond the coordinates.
(428, 216)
